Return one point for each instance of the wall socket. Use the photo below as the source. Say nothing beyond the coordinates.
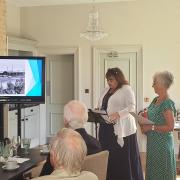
(146, 99)
(86, 91)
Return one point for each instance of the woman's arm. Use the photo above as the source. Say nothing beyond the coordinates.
(169, 126)
(130, 105)
(101, 97)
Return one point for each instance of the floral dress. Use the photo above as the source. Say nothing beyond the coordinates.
(160, 163)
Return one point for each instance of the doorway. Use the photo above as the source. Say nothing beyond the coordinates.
(129, 59)
(62, 84)
(124, 61)
(60, 77)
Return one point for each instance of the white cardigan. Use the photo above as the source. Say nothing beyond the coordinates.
(123, 102)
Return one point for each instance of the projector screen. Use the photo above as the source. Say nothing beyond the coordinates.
(22, 79)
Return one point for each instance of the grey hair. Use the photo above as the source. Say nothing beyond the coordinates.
(165, 78)
(69, 150)
(75, 114)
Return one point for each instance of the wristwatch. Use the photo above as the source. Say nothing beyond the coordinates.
(153, 127)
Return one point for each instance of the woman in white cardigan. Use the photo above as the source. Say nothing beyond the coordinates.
(119, 137)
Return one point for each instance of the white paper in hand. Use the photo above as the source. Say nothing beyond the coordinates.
(141, 120)
(102, 112)
(106, 118)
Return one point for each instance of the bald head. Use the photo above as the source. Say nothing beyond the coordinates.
(75, 114)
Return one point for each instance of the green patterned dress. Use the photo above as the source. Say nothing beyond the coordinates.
(161, 163)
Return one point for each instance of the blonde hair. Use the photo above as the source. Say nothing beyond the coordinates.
(75, 114)
(69, 150)
(165, 78)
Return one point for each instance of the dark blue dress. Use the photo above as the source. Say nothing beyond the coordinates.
(124, 162)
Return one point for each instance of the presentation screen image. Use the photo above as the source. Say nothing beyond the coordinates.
(21, 77)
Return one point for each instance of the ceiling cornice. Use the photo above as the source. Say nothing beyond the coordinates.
(28, 3)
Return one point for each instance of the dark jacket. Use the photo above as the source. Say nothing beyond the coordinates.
(93, 146)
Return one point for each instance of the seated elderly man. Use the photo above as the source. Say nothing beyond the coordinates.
(75, 116)
(67, 155)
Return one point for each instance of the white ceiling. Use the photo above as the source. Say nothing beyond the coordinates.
(24, 3)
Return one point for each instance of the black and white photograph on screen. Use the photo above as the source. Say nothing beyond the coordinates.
(12, 78)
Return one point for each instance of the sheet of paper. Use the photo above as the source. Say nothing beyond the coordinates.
(99, 111)
(106, 118)
(19, 160)
(140, 119)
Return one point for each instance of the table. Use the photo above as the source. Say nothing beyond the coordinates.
(177, 128)
(35, 157)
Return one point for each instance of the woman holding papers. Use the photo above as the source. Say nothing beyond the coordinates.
(160, 163)
(119, 137)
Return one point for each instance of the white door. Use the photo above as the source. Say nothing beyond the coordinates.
(128, 59)
(60, 89)
(12, 123)
(126, 62)
(31, 125)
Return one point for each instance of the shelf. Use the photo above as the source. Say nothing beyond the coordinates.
(14, 106)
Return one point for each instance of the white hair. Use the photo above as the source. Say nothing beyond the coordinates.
(75, 114)
(165, 78)
(68, 150)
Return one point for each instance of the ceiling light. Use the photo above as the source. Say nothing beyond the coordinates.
(93, 31)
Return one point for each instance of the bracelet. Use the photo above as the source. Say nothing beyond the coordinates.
(153, 127)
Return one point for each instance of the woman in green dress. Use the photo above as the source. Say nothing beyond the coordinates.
(160, 160)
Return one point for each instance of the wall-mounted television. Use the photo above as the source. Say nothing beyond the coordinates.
(22, 79)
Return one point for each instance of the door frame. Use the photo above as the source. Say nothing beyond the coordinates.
(61, 50)
(98, 50)
(58, 50)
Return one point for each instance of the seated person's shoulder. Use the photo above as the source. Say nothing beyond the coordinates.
(43, 178)
(88, 175)
(93, 145)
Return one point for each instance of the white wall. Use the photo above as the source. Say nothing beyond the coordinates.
(153, 24)
(13, 20)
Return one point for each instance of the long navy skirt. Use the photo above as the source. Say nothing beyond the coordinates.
(124, 162)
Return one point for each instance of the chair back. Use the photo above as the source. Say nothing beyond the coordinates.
(34, 172)
(97, 164)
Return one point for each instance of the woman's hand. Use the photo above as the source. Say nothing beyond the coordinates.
(146, 128)
(144, 113)
(114, 116)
